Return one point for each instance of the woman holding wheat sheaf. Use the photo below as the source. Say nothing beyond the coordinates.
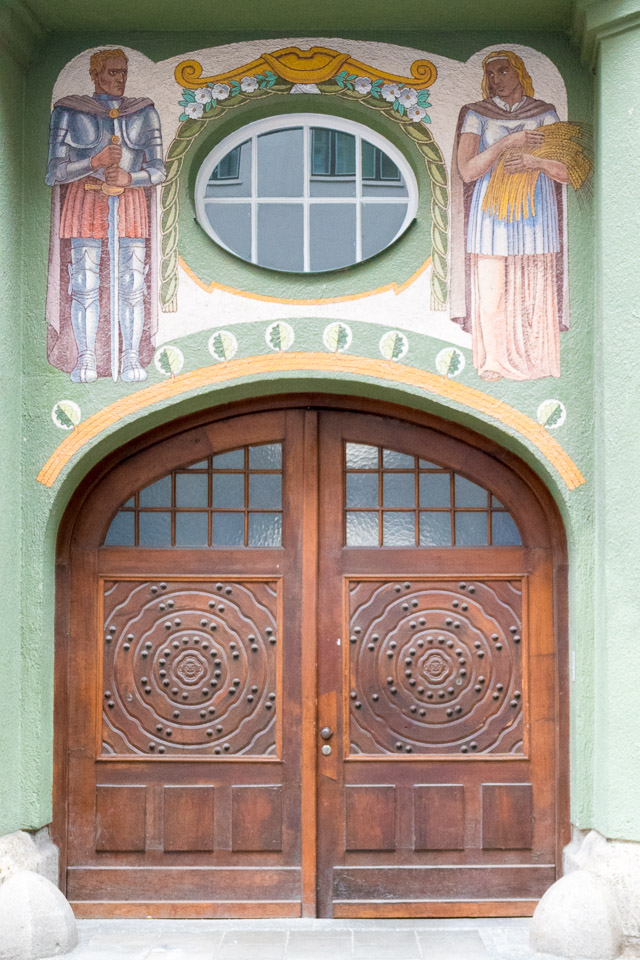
(512, 157)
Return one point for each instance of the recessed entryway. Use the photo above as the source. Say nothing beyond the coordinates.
(309, 665)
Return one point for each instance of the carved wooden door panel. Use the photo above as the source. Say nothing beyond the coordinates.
(183, 760)
(436, 679)
(193, 768)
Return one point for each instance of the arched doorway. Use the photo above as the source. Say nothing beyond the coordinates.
(308, 661)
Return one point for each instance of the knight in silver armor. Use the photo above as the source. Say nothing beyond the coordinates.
(103, 146)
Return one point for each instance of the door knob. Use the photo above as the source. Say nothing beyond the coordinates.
(326, 733)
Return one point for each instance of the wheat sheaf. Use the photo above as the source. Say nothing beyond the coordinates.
(511, 196)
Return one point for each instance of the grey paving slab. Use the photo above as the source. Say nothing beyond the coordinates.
(372, 944)
(444, 945)
(198, 940)
(109, 952)
(304, 946)
(182, 953)
(509, 943)
(121, 940)
(306, 939)
(256, 936)
(174, 945)
(253, 945)
(257, 951)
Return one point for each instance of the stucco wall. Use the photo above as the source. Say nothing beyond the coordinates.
(43, 386)
(12, 84)
(617, 608)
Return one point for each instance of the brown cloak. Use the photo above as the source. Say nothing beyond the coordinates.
(461, 194)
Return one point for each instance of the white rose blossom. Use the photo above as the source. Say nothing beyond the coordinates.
(416, 113)
(203, 95)
(390, 91)
(408, 96)
(221, 91)
(362, 84)
(194, 110)
(248, 84)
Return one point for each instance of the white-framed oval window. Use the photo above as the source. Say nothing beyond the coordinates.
(305, 193)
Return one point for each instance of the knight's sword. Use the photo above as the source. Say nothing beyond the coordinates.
(114, 282)
(113, 239)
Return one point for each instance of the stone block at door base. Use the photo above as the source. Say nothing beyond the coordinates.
(616, 863)
(28, 851)
(35, 919)
(577, 919)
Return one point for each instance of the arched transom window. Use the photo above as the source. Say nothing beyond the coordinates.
(391, 499)
(232, 499)
(394, 499)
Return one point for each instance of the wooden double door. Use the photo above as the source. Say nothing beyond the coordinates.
(306, 666)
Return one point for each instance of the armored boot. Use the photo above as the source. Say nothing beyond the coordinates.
(132, 293)
(84, 288)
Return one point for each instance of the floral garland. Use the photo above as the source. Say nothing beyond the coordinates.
(403, 104)
(405, 100)
(197, 103)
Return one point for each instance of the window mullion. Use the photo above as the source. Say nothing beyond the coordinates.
(358, 198)
(306, 191)
(254, 199)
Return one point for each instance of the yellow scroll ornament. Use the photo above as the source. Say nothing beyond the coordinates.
(316, 65)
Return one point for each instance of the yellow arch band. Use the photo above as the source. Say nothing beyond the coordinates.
(302, 363)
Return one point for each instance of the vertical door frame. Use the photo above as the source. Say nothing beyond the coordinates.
(310, 404)
(309, 648)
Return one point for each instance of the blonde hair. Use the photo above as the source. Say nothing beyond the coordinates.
(100, 57)
(518, 65)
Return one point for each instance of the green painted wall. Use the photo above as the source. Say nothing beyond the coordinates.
(292, 18)
(43, 386)
(617, 556)
(11, 644)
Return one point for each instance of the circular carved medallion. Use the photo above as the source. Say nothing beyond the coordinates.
(436, 667)
(190, 667)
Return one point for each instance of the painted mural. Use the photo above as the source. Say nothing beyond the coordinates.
(481, 272)
(512, 156)
(105, 160)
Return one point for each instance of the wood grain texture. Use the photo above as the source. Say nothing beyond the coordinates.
(444, 909)
(436, 667)
(310, 703)
(438, 817)
(256, 818)
(190, 666)
(193, 883)
(312, 547)
(188, 819)
(370, 818)
(441, 883)
(187, 909)
(440, 649)
(177, 658)
(120, 818)
(507, 816)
